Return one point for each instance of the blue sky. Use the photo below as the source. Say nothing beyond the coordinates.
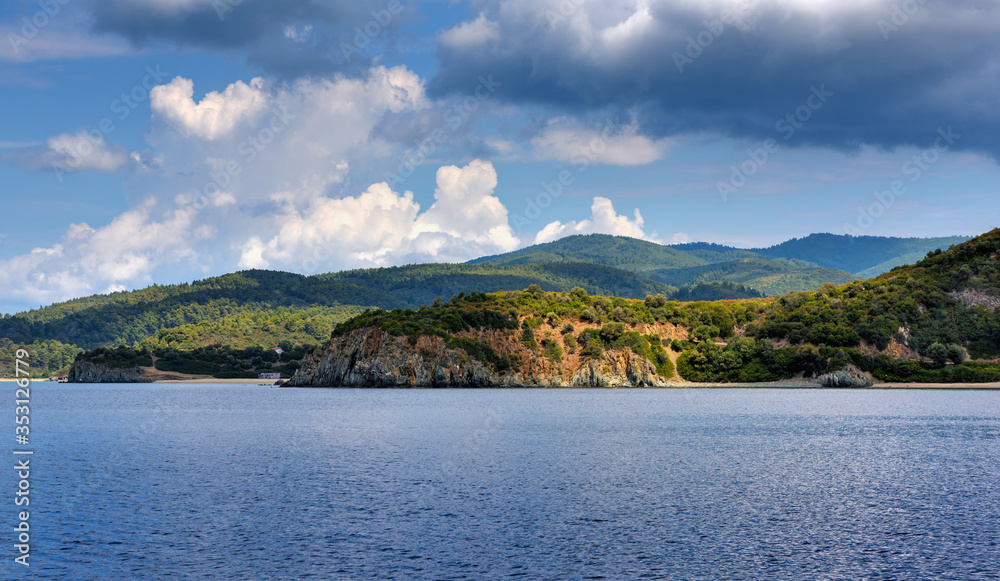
(160, 141)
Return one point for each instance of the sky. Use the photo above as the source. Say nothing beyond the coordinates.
(163, 141)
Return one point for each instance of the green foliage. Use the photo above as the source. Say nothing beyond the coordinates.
(552, 350)
(747, 360)
(216, 360)
(117, 357)
(570, 342)
(749, 277)
(918, 299)
(46, 358)
(528, 338)
(459, 314)
(857, 253)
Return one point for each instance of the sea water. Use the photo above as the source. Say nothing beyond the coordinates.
(224, 481)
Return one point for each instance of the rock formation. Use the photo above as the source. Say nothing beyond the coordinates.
(370, 357)
(87, 372)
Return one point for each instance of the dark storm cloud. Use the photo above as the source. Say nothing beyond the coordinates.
(290, 38)
(897, 69)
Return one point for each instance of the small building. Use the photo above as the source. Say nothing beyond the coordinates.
(277, 350)
(269, 376)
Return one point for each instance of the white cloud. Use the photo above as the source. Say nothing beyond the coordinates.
(381, 226)
(472, 33)
(215, 115)
(567, 140)
(603, 220)
(88, 260)
(82, 151)
(71, 152)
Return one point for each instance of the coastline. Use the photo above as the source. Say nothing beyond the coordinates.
(182, 378)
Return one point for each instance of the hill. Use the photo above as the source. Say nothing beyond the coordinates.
(861, 255)
(795, 265)
(262, 308)
(936, 320)
(617, 251)
(769, 277)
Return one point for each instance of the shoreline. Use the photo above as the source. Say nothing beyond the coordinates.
(678, 385)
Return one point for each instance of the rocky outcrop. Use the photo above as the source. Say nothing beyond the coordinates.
(371, 357)
(975, 298)
(87, 372)
(849, 376)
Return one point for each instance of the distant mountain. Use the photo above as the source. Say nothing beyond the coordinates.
(864, 256)
(617, 251)
(798, 264)
(770, 277)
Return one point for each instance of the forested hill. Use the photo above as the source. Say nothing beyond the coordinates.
(861, 255)
(795, 265)
(263, 308)
(935, 321)
(617, 251)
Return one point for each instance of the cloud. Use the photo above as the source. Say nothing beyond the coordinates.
(90, 260)
(380, 226)
(564, 139)
(215, 115)
(603, 219)
(71, 152)
(471, 34)
(289, 39)
(197, 203)
(896, 76)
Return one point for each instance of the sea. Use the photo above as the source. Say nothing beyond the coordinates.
(231, 481)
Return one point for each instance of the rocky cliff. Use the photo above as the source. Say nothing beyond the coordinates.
(370, 357)
(87, 372)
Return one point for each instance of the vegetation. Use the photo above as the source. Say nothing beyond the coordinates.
(940, 313)
(216, 360)
(861, 255)
(767, 277)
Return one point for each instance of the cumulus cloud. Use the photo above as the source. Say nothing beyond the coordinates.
(215, 115)
(90, 260)
(380, 226)
(196, 201)
(564, 139)
(603, 220)
(737, 68)
(71, 152)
